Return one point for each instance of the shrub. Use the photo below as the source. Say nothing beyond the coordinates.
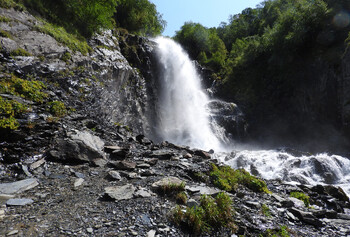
(265, 210)
(5, 34)
(57, 108)
(172, 189)
(211, 214)
(282, 231)
(9, 123)
(181, 198)
(20, 52)
(226, 178)
(66, 57)
(84, 17)
(301, 196)
(31, 90)
(4, 19)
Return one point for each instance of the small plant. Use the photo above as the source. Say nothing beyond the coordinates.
(9, 123)
(7, 4)
(181, 198)
(226, 178)
(9, 109)
(57, 108)
(31, 90)
(211, 214)
(63, 37)
(41, 58)
(4, 19)
(265, 210)
(301, 196)
(5, 34)
(20, 52)
(66, 57)
(172, 188)
(282, 231)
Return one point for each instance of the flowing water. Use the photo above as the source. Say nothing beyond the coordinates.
(184, 119)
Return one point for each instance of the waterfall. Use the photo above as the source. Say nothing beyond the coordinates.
(183, 113)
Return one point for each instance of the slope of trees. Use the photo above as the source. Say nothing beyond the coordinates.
(86, 17)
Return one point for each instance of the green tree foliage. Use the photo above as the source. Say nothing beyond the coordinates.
(202, 44)
(79, 16)
(140, 17)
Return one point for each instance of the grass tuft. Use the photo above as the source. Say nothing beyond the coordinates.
(20, 52)
(65, 38)
(228, 179)
(211, 214)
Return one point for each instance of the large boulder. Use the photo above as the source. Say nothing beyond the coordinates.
(77, 147)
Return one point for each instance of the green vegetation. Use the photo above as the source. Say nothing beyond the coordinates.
(270, 50)
(31, 90)
(228, 179)
(172, 189)
(81, 17)
(211, 214)
(203, 45)
(62, 36)
(20, 52)
(10, 4)
(301, 196)
(66, 57)
(283, 231)
(4, 19)
(9, 109)
(181, 198)
(265, 210)
(5, 34)
(57, 108)
(140, 17)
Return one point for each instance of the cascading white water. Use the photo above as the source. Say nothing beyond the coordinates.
(184, 118)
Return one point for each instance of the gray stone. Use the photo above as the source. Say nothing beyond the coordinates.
(114, 175)
(192, 203)
(296, 202)
(78, 182)
(151, 233)
(100, 162)
(143, 166)
(143, 193)
(13, 232)
(18, 187)
(37, 164)
(167, 181)
(343, 216)
(202, 190)
(19, 202)
(120, 192)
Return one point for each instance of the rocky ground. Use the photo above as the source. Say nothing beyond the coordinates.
(85, 173)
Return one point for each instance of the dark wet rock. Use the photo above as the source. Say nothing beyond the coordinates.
(19, 202)
(307, 217)
(18, 187)
(120, 192)
(143, 140)
(123, 165)
(203, 154)
(162, 154)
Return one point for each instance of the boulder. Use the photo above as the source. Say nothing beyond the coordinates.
(78, 147)
(18, 187)
(120, 192)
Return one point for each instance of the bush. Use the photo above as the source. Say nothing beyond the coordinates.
(31, 90)
(20, 52)
(211, 214)
(5, 34)
(140, 17)
(226, 178)
(84, 17)
(8, 110)
(57, 108)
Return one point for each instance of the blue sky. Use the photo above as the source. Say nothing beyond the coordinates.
(210, 13)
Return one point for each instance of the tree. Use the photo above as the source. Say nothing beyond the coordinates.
(140, 17)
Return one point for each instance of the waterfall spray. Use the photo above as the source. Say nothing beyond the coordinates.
(184, 117)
